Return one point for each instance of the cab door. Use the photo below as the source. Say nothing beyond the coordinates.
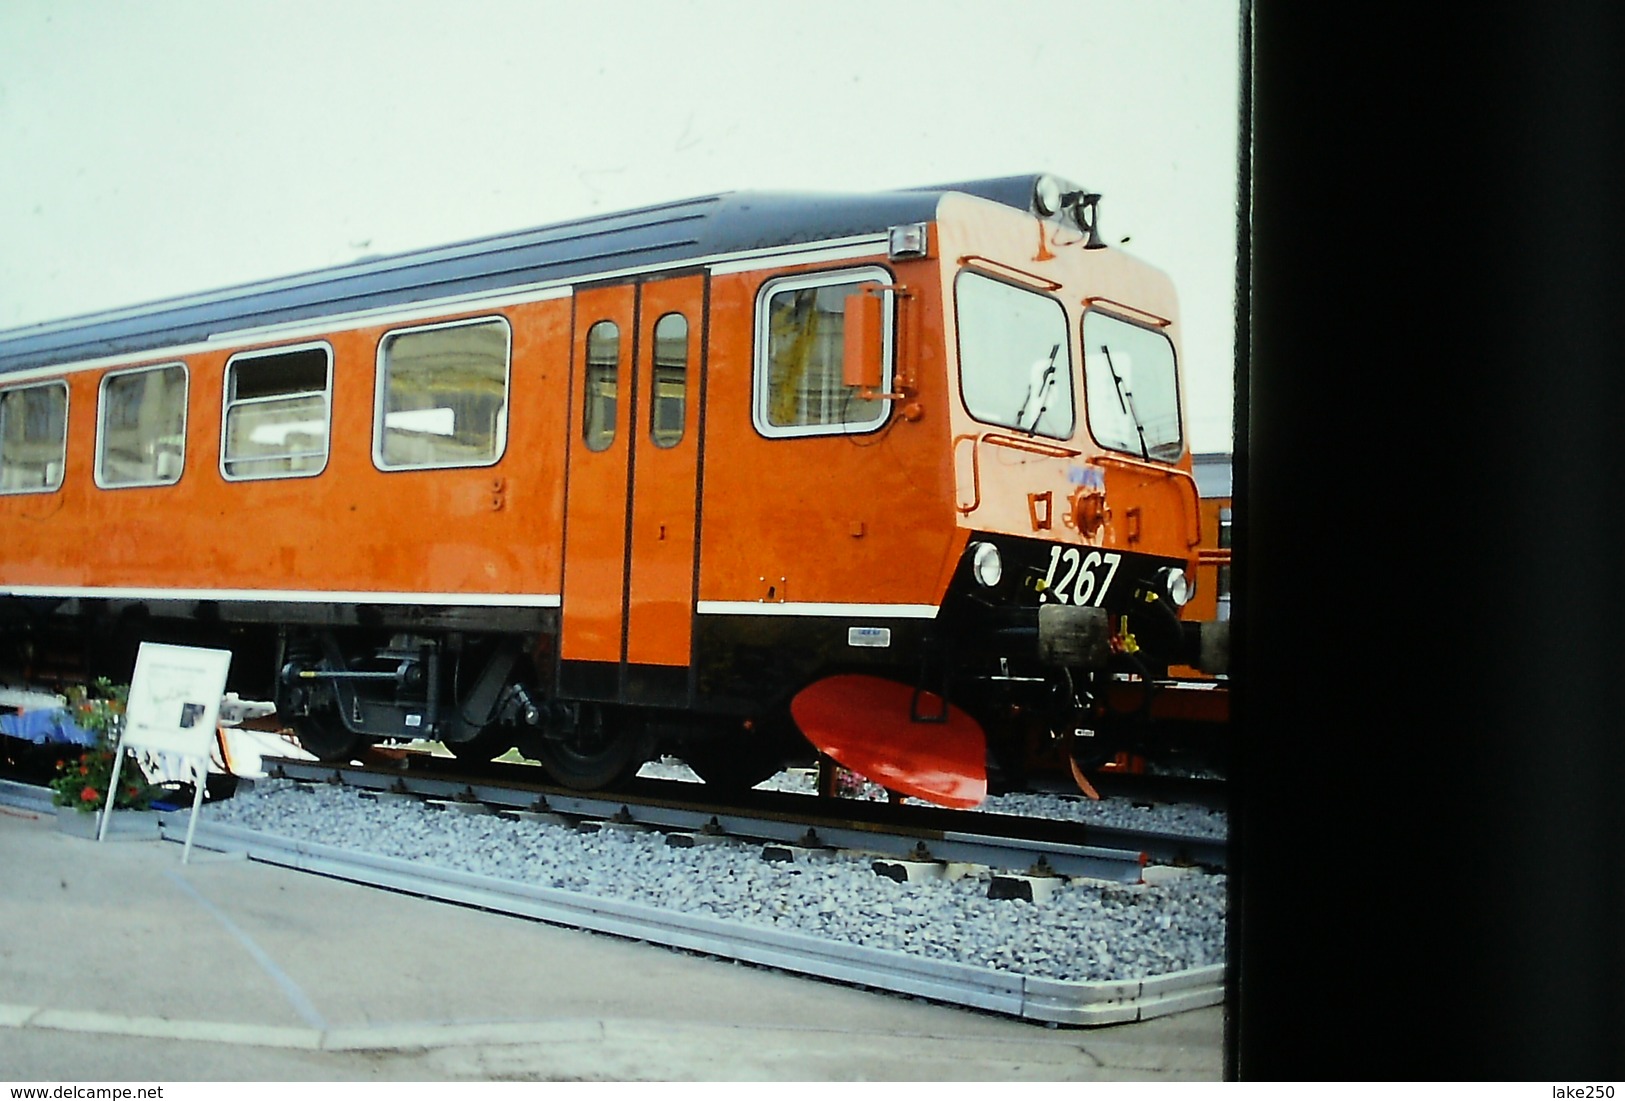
(631, 504)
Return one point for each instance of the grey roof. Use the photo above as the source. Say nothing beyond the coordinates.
(669, 233)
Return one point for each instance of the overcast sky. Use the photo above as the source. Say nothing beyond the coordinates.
(172, 146)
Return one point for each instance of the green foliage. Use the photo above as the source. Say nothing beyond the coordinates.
(83, 781)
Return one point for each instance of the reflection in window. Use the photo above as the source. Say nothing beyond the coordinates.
(277, 413)
(1015, 359)
(443, 395)
(1131, 389)
(141, 436)
(800, 382)
(33, 437)
(669, 408)
(603, 368)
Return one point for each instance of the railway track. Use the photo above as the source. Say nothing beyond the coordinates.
(903, 832)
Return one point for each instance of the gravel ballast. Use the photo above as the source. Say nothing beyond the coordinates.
(1087, 930)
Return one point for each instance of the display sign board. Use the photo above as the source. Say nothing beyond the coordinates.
(173, 707)
(174, 699)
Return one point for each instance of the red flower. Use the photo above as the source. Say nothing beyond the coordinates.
(60, 765)
(90, 794)
(84, 770)
(131, 792)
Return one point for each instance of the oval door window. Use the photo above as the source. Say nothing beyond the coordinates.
(603, 367)
(669, 409)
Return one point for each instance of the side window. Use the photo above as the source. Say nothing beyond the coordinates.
(277, 410)
(669, 410)
(141, 427)
(33, 437)
(800, 388)
(442, 395)
(603, 370)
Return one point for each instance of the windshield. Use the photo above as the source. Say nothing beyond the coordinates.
(1130, 388)
(1014, 357)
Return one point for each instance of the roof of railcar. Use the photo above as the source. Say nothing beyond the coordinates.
(669, 233)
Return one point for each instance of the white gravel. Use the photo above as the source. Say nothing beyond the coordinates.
(1085, 931)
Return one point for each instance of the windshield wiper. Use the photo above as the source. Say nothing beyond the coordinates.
(1042, 385)
(1125, 400)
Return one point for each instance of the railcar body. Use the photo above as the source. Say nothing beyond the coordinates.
(896, 473)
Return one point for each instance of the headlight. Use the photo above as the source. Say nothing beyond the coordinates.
(1048, 195)
(986, 565)
(1176, 586)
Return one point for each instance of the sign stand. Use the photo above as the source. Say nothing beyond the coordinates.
(174, 706)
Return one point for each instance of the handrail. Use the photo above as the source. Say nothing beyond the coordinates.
(975, 473)
(1122, 307)
(971, 260)
(1015, 443)
(1029, 444)
(1194, 528)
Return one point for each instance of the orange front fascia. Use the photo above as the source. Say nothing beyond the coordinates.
(1061, 490)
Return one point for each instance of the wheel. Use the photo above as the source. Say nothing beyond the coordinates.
(326, 737)
(598, 750)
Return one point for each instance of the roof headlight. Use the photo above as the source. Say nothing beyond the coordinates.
(1048, 195)
(1176, 585)
(986, 565)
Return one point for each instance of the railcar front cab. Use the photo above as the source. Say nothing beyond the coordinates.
(1077, 510)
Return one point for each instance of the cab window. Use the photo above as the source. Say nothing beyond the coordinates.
(1130, 387)
(1015, 356)
(800, 387)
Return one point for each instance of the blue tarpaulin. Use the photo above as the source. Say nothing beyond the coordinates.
(40, 727)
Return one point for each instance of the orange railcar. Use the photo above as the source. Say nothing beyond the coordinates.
(894, 473)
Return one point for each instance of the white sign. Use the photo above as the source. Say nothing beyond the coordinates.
(175, 697)
(173, 707)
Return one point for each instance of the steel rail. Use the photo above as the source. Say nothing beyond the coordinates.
(993, 848)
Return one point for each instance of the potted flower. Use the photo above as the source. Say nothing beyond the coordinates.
(82, 782)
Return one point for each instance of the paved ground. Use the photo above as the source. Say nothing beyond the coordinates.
(120, 964)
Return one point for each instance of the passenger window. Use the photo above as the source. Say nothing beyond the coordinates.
(141, 429)
(800, 387)
(603, 369)
(33, 437)
(278, 406)
(668, 411)
(442, 395)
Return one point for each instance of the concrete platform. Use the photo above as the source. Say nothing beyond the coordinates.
(225, 970)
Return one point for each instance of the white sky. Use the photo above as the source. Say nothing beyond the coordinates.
(171, 146)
